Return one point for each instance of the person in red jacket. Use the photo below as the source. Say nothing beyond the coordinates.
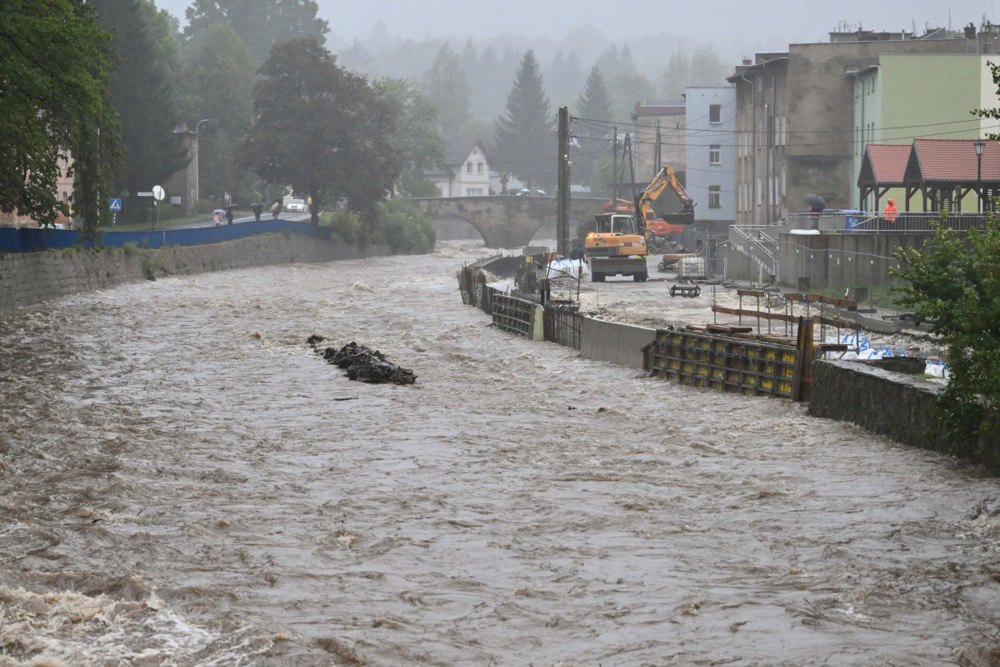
(890, 211)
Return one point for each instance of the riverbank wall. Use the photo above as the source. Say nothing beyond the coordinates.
(28, 278)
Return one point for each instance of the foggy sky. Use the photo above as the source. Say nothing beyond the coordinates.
(736, 27)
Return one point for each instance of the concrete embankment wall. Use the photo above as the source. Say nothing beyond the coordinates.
(29, 278)
(896, 405)
(614, 342)
(843, 260)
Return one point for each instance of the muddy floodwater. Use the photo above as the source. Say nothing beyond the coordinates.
(180, 484)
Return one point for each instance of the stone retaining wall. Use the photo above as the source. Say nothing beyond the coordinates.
(29, 278)
(892, 404)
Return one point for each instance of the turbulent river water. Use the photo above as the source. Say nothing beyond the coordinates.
(180, 484)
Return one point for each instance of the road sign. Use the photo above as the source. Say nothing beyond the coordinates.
(116, 205)
(143, 194)
(158, 193)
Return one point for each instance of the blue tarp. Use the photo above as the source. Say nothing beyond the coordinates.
(30, 239)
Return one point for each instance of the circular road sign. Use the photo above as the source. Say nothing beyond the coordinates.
(158, 193)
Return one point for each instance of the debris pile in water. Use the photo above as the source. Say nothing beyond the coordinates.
(363, 363)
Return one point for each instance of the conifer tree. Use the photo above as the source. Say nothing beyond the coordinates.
(525, 139)
(595, 104)
(445, 87)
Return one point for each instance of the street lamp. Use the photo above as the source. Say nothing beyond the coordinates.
(182, 129)
(980, 145)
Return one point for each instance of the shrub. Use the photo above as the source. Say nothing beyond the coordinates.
(405, 229)
(346, 224)
(954, 283)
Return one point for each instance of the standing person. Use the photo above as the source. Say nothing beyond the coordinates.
(257, 208)
(275, 208)
(229, 215)
(890, 211)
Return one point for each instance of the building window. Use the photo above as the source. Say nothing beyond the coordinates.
(468, 167)
(715, 154)
(715, 113)
(715, 196)
(474, 192)
(479, 167)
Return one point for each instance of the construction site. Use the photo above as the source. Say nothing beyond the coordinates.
(685, 325)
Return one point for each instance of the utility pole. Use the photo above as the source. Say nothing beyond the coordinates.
(614, 166)
(658, 158)
(631, 164)
(562, 194)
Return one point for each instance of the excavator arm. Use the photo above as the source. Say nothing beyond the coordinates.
(667, 177)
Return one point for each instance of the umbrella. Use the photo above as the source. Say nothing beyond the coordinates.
(816, 203)
(220, 211)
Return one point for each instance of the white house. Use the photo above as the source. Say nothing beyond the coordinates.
(465, 171)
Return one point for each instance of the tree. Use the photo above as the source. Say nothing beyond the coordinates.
(594, 103)
(322, 130)
(143, 89)
(524, 139)
(416, 137)
(259, 23)
(445, 87)
(954, 283)
(627, 89)
(217, 81)
(54, 59)
(707, 69)
(676, 76)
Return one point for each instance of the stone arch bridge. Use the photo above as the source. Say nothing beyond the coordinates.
(507, 221)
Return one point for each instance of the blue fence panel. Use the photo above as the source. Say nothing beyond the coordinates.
(28, 239)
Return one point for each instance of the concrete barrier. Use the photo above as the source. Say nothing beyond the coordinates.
(614, 342)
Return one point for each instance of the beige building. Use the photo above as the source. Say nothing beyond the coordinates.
(795, 120)
(652, 151)
(65, 183)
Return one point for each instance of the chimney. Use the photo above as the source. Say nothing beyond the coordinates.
(747, 62)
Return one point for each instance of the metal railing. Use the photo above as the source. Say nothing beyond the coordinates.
(758, 246)
(871, 222)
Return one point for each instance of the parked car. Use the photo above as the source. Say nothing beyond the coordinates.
(296, 206)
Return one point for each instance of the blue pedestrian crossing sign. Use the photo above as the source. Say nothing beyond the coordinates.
(116, 205)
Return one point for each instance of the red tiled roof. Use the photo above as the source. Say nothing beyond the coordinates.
(956, 160)
(888, 161)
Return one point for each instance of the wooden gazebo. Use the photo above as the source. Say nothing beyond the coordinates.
(882, 168)
(945, 170)
(942, 171)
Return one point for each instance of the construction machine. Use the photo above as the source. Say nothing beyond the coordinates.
(617, 247)
(662, 226)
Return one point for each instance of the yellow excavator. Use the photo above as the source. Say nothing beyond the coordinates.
(620, 242)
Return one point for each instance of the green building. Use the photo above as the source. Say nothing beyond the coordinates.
(902, 97)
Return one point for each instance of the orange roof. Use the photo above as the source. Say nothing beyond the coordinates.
(885, 163)
(956, 160)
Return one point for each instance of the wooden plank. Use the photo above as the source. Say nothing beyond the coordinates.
(725, 328)
(830, 321)
(751, 292)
